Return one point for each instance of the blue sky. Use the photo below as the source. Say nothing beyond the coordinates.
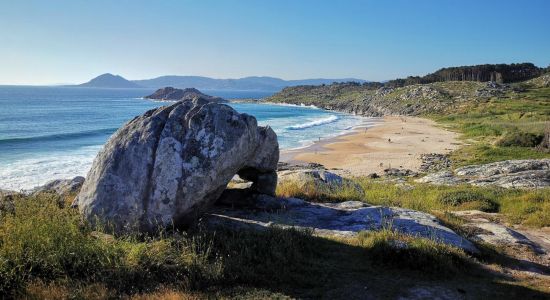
(47, 42)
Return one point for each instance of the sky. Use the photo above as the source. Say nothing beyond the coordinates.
(54, 42)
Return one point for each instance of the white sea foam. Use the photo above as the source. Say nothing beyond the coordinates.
(291, 105)
(317, 122)
(28, 173)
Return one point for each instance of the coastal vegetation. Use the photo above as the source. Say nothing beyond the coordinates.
(47, 251)
(526, 207)
(501, 73)
(500, 128)
(497, 122)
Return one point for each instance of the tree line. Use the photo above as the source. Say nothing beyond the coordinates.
(500, 73)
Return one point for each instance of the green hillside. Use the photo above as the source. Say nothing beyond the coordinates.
(498, 121)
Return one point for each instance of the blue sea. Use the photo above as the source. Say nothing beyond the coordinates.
(55, 132)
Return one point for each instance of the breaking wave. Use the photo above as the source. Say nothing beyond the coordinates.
(318, 122)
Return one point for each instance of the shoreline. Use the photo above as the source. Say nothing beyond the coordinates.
(396, 142)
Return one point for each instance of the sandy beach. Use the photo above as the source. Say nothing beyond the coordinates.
(396, 142)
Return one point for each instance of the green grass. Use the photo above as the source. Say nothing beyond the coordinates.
(388, 247)
(500, 128)
(46, 251)
(483, 153)
(529, 207)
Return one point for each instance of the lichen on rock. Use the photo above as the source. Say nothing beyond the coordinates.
(168, 165)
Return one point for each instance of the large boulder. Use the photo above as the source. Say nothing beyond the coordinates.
(168, 165)
(320, 178)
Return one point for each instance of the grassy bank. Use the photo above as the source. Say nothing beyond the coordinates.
(500, 128)
(46, 251)
(528, 207)
(507, 123)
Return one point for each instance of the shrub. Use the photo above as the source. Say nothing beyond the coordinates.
(41, 239)
(477, 129)
(520, 139)
(468, 199)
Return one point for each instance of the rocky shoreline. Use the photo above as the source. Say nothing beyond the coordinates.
(413, 100)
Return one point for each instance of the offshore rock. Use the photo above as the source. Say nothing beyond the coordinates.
(173, 94)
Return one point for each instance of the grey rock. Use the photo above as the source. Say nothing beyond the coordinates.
(529, 173)
(61, 186)
(335, 219)
(395, 172)
(168, 165)
(540, 82)
(492, 89)
(284, 166)
(441, 178)
(488, 231)
(319, 178)
(434, 162)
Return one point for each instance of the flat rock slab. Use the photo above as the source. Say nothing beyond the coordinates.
(335, 219)
(529, 246)
(528, 173)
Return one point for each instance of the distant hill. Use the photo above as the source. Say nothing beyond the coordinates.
(254, 83)
(108, 80)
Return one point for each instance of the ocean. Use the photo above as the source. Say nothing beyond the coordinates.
(51, 133)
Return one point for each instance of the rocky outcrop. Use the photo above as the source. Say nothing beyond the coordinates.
(492, 89)
(335, 219)
(485, 230)
(434, 162)
(540, 82)
(395, 172)
(362, 100)
(320, 178)
(530, 173)
(168, 165)
(523, 244)
(173, 94)
(61, 186)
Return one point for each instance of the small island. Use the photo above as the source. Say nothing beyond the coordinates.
(173, 94)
